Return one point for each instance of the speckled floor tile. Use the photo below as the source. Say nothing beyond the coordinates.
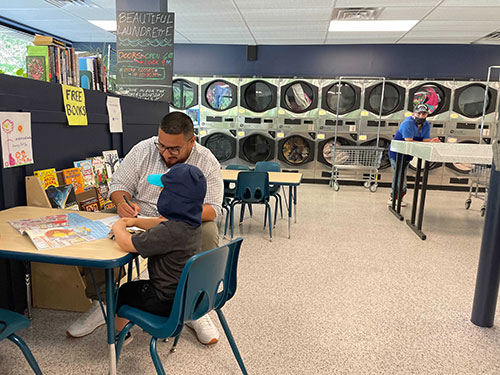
(353, 292)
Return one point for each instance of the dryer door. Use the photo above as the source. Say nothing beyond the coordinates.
(325, 151)
(462, 168)
(219, 95)
(258, 96)
(385, 143)
(394, 97)
(256, 147)
(469, 100)
(296, 150)
(299, 96)
(434, 95)
(185, 94)
(223, 146)
(345, 98)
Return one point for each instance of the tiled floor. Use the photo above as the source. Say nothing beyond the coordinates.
(353, 292)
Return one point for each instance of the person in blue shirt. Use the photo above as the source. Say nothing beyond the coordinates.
(413, 128)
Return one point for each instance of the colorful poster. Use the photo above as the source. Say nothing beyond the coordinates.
(74, 105)
(16, 139)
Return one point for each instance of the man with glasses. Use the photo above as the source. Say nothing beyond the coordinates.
(174, 144)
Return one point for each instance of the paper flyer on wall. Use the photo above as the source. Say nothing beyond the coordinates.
(115, 114)
(16, 138)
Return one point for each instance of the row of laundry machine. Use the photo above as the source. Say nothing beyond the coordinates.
(295, 121)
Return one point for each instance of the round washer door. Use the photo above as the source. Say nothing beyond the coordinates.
(325, 151)
(299, 97)
(435, 96)
(343, 98)
(185, 94)
(219, 95)
(296, 150)
(469, 100)
(394, 96)
(258, 96)
(462, 168)
(223, 146)
(385, 143)
(256, 147)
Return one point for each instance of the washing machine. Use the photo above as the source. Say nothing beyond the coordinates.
(185, 97)
(223, 143)
(465, 125)
(340, 110)
(256, 140)
(437, 95)
(218, 103)
(258, 99)
(393, 105)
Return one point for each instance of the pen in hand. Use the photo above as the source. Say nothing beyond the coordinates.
(128, 202)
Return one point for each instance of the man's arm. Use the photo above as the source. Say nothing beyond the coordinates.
(123, 208)
(212, 205)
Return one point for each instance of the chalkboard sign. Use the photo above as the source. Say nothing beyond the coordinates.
(145, 54)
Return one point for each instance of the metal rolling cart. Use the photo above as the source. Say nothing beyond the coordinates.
(481, 179)
(351, 160)
(481, 173)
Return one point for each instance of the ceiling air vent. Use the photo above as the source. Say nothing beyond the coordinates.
(491, 38)
(83, 3)
(351, 14)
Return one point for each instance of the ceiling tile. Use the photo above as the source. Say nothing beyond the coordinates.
(283, 4)
(383, 3)
(465, 13)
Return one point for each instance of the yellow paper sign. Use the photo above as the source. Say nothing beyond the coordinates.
(321, 136)
(74, 105)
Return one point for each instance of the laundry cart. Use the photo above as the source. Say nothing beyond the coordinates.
(356, 163)
(480, 179)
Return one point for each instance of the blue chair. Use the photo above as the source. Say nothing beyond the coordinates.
(207, 282)
(229, 195)
(271, 166)
(251, 188)
(11, 322)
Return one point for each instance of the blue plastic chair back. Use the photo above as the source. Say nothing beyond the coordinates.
(238, 167)
(267, 166)
(252, 187)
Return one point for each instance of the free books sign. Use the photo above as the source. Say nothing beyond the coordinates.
(74, 105)
(145, 54)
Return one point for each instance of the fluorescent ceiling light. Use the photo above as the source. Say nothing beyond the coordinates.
(371, 25)
(106, 25)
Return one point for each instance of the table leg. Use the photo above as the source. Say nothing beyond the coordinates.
(418, 228)
(110, 319)
(27, 280)
(392, 207)
(289, 208)
(415, 191)
(295, 204)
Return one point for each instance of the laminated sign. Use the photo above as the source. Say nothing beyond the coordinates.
(74, 105)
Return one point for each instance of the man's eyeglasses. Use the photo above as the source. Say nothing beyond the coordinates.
(171, 150)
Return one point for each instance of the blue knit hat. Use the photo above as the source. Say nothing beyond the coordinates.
(184, 189)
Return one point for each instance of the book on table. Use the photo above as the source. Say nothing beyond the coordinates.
(54, 231)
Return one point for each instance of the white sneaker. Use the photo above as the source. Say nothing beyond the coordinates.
(205, 330)
(88, 322)
(389, 203)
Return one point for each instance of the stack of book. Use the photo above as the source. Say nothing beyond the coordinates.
(88, 180)
(92, 72)
(50, 60)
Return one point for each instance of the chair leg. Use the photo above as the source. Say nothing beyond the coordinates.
(276, 209)
(138, 267)
(281, 206)
(265, 218)
(250, 209)
(27, 353)
(270, 226)
(230, 338)
(173, 349)
(226, 222)
(121, 338)
(231, 220)
(242, 213)
(155, 357)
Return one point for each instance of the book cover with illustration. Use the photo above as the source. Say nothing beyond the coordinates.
(85, 167)
(48, 177)
(74, 177)
(91, 204)
(61, 196)
(36, 68)
(99, 168)
(40, 222)
(112, 161)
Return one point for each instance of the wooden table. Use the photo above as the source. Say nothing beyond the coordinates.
(103, 253)
(292, 180)
(431, 152)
